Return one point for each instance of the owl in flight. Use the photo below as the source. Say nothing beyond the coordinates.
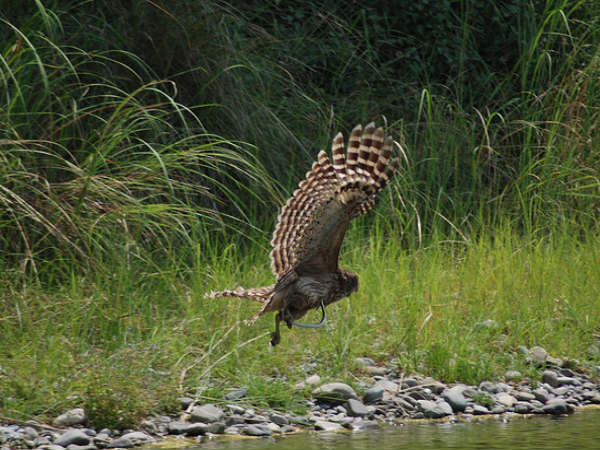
(311, 227)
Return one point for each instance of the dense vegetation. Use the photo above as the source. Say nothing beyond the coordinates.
(145, 148)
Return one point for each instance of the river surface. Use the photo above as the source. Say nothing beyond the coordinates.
(580, 430)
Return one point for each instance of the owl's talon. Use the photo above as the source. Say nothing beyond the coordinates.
(275, 338)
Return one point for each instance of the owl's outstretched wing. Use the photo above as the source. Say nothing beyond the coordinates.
(312, 224)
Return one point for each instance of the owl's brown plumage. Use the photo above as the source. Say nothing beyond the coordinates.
(312, 224)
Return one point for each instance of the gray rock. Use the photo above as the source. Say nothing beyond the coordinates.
(313, 379)
(550, 377)
(541, 394)
(434, 410)
(568, 380)
(72, 436)
(505, 399)
(498, 409)
(236, 409)
(334, 393)
(233, 430)
(185, 402)
(41, 440)
(30, 432)
(356, 408)
(177, 427)
(234, 419)
(557, 406)
(523, 396)
(76, 416)
(556, 362)
(216, 428)
(522, 407)
(278, 419)
(512, 375)
(455, 398)
(324, 425)
(435, 386)
(82, 447)
(538, 355)
(364, 361)
(480, 409)
(206, 413)
(121, 442)
(592, 397)
(373, 395)
(422, 393)
(138, 437)
(287, 429)
(375, 370)
(53, 447)
(409, 382)
(257, 430)
(236, 394)
(196, 429)
(490, 387)
(387, 385)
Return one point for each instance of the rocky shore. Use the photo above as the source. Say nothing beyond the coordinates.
(388, 396)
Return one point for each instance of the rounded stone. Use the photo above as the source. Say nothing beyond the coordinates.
(538, 355)
(278, 419)
(557, 406)
(139, 437)
(505, 399)
(363, 361)
(324, 425)
(550, 377)
(206, 413)
(334, 393)
(75, 416)
(455, 398)
(373, 395)
(356, 408)
(434, 410)
(236, 394)
(257, 430)
(522, 407)
(72, 436)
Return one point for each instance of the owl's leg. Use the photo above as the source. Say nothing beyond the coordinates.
(276, 336)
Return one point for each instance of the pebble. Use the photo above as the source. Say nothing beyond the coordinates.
(538, 355)
(206, 413)
(556, 406)
(550, 377)
(334, 392)
(324, 425)
(356, 408)
(236, 394)
(72, 436)
(455, 398)
(505, 399)
(76, 416)
(434, 410)
(373, 395)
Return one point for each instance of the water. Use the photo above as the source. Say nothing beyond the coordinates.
(580, 430)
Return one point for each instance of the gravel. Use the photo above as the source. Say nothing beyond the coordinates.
(387, 396)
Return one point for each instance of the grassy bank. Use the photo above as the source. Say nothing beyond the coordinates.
(138, 174)
(124, 342)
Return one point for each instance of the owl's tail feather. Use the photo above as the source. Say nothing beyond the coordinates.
(260, 295)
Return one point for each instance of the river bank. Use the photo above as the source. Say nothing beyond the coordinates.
(388, 396)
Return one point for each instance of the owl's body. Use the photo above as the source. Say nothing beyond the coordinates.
(312, 225)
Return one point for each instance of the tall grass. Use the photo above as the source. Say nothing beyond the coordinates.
(126, 193)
